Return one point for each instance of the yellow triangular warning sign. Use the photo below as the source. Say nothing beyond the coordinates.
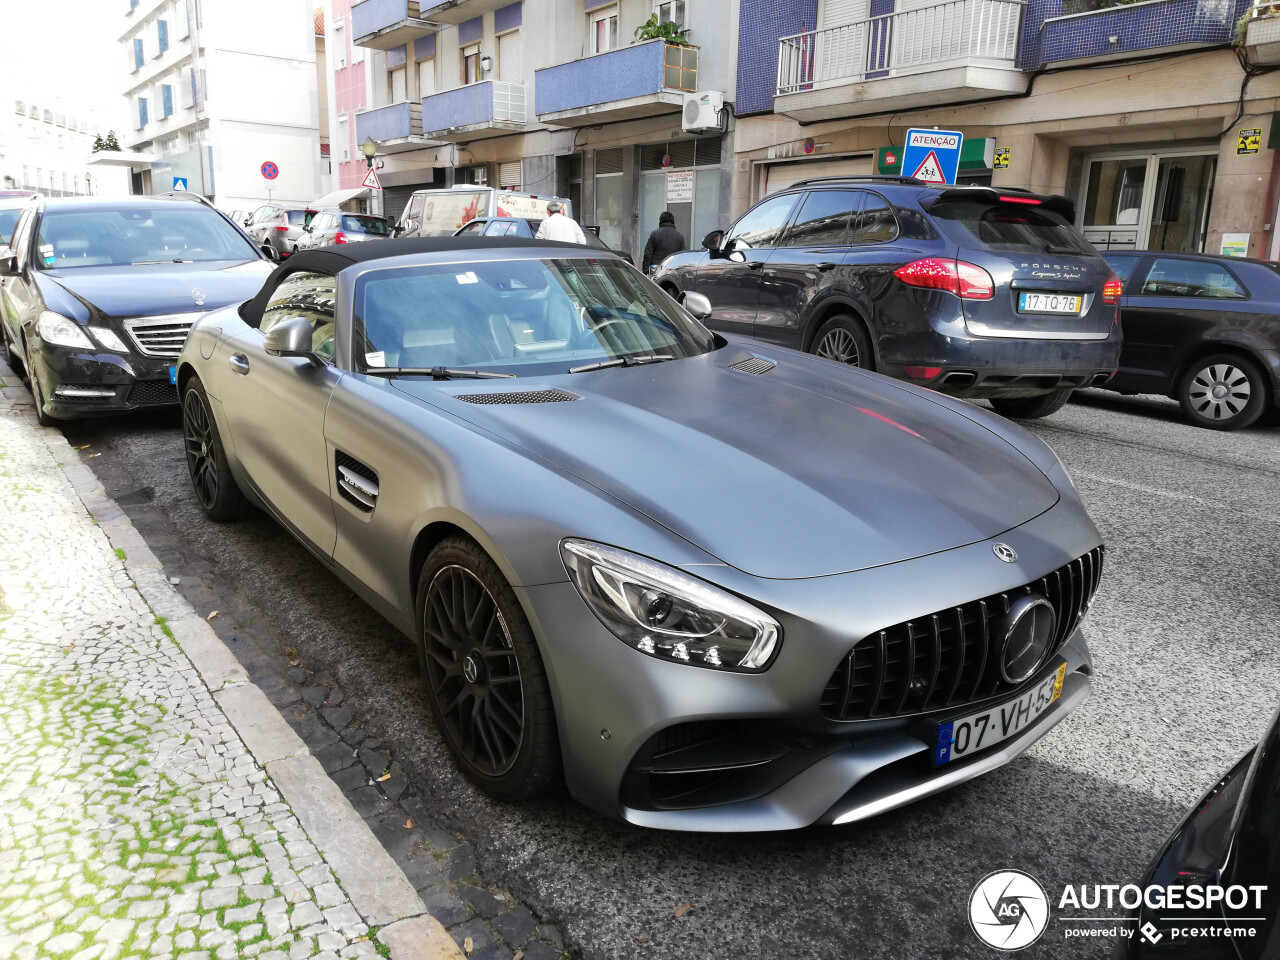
(930, 171)
(371, 181)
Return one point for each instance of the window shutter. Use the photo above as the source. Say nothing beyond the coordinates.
(426, 78)
(399, 94)
(509, 175)
(509, 56)
(836, 13)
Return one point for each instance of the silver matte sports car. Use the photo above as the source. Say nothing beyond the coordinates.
(712, 585)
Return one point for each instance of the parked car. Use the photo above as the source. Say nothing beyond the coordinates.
(972, 291)
(592, 558)
(98, 296)
(439, 212)
(334, 226)
(11, 204)
(524, 227)
(278, 229)
(1202, 329)
(1231, 838)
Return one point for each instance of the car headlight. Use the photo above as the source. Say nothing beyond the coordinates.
(61, 331)
(109, 339)
(667, 614)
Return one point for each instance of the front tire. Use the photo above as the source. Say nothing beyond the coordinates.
(484, 676)
(215, 488)
(844, 340)
(37, 396)
(1223, 391)
(1031, 408)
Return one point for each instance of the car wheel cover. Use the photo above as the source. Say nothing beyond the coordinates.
(197, 436)
(1220, 391)
(472, 670)
(839, 345)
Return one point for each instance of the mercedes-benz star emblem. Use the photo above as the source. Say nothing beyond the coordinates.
(1005, 552)
(198, 296)
(469, 670)
(1032, 620)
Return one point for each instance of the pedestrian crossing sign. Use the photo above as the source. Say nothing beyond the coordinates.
(371, 180)
(929, 169)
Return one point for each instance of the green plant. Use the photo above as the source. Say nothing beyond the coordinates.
(653, 29)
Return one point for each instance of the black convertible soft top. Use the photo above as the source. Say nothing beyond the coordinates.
(332, 260)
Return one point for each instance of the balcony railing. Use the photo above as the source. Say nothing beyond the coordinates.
(397, 123)
(897, 44)
(489, 108)
(383, 24)
(645, 79)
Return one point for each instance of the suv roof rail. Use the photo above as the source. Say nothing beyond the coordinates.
(862, 178)
(187, 195)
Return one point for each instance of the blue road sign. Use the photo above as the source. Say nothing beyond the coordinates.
(270, 171)
(932, 155)
(180, 183)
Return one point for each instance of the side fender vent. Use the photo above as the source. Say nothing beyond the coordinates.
(518, 396)
(753, 365)
(357, 484)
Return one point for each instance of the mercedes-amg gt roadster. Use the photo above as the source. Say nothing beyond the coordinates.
(707, 583)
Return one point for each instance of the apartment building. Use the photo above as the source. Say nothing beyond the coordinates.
(221, 92)
(1143, 113)
(347, 80)
(554, 97)
(47, 149)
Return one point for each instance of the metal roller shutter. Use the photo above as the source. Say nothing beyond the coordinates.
(510, 52)
(395, 199)
(782, 175)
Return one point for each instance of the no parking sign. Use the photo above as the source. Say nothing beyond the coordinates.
(270, 171)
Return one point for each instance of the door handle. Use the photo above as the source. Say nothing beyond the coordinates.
(239, 363)
(827, 265)
(755, 264)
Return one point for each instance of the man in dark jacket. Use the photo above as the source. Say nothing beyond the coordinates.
(663, 242)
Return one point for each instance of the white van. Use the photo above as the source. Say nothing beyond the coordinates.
(439, 213)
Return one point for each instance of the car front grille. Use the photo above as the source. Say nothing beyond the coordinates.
(152, 391)
(950, 657)
(160, 336)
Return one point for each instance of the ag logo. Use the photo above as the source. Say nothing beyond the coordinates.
(1008, 910)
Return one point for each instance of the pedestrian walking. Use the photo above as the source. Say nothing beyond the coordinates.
(560, 226)
(663, 242)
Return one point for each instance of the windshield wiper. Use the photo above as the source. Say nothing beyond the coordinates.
(437, 373)
(622, 362)
(143, 263)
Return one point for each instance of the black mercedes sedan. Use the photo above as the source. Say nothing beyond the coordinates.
(1203, 330)
(1216, 881)
(98, 296)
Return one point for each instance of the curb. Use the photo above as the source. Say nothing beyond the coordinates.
(375, 884)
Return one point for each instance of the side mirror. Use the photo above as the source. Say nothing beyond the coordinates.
(291, 338)
(8, 262)
(713, 240)
(698, 305)
(272, 253)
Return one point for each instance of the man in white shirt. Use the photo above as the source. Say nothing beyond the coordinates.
(560, 227)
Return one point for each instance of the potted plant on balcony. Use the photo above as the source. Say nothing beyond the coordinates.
(653, 29)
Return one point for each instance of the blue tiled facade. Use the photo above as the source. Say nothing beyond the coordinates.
(458, 108)
(761, 24)
(424, 47)
(633, 71)
(370, 16)
(507, 18)
(469, 31)
(396, 57)
(386, 123)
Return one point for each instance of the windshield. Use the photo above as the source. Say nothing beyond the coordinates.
(130, 234)
(300, 218)
(7, 220)
(1008, 227)
(373, 225)
(525, 317)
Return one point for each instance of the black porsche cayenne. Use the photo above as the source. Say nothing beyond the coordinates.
(98, 296)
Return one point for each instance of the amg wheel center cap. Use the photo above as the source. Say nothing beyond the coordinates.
(471, 668)
(1032, 621)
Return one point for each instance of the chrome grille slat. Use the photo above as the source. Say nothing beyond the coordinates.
(874, 679)
(160, 336)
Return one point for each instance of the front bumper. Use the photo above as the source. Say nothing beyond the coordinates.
(796, 766)
(134, 382)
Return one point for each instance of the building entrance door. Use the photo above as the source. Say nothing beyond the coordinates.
(1151, 201)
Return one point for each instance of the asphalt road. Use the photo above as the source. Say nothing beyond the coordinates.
(1184, 639)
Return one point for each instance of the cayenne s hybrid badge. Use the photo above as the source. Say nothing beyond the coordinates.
(1005, 552)
(198, 296)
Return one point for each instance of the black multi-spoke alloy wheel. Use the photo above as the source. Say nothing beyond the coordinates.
(1031, 408)
(844, 340)
(484, 676)
(215, 487)
(1223, 391)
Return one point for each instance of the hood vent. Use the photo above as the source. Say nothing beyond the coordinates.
(518, 396)
(753, 365)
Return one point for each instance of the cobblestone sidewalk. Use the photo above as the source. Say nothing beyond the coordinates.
(134, 821)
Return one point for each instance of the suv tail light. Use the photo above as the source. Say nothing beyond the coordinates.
(340, 237)
(1112, 289)
(966, 280)
(283, 225)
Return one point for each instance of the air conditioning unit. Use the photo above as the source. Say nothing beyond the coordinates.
(702, 111)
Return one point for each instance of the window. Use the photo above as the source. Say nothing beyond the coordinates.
(509, 175)
(761, 226)
(399, 91)
(824, 218)
(311, 296)
(876, 222)
(1123, 266)
(505, 227)
(142, 112)
(426, 78)
(604, 30)
(166, 100)
(510, 54)
(470, 64)
(162, 36)
(120, 235)
(670, 12)
(139, 54)
(1192, 278)
(339, 46)
(1008, 227)
(344, 140)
